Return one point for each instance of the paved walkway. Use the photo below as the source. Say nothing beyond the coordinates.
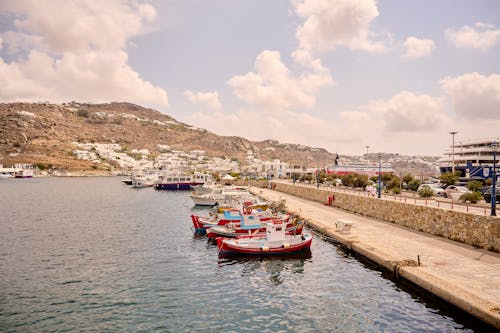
(465, 276)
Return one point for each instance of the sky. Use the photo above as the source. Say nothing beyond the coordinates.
(396, 76)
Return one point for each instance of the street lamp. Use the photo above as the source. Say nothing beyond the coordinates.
(317, 176)
(453, 151)
(494, 146)
(379, 194)
(367, 147)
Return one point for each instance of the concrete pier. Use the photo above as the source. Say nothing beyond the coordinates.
(464, 276)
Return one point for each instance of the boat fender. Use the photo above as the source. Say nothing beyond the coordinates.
(264, 248)
(286, 246)
(303, 238)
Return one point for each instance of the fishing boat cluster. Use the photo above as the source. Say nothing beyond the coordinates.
(238, 222)
(241, 224)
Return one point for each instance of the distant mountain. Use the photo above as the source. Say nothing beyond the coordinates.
(44, 133)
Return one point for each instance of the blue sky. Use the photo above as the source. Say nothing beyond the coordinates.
(337, 74)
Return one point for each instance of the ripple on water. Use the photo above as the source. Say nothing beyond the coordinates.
(99, 256)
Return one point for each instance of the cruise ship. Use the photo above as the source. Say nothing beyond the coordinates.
(473, 158)
(366, 168)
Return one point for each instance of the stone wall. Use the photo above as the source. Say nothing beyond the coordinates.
(476, 230)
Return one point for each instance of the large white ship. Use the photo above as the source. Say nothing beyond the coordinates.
(365, 168)
(473, 158)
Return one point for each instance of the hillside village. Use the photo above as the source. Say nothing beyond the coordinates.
(110, 138)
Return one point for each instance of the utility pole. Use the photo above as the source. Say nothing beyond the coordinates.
(379, 194)
(494, 146)
(453, 151)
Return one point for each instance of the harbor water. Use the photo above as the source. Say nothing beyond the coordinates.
(91, 254)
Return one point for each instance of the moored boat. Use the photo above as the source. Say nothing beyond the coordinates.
(24, 173)
(275, 242)
(180, 183)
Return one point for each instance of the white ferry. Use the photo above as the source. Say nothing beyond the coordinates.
(369, 169)
(473, 158)
(182, 183)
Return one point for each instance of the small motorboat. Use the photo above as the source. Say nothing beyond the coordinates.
(127, 181)
(258, 227)
(276, 241)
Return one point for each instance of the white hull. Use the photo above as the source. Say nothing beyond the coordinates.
(203, 200)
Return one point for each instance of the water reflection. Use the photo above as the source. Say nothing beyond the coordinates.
(273, 266)
(99, 256)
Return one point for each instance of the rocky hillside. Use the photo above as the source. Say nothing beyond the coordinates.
(44, 133)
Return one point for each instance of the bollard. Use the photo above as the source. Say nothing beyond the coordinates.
(467, 207)
(438, 203)
(451, 204)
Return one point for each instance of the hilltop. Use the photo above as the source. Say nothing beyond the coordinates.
(45, 133)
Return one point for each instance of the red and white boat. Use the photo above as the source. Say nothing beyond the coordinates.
(253, 229)
(276, 241)
(233, 222)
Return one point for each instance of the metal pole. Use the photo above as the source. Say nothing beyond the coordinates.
(317, 176)
(453, 151)
(379, 176)
(494, 178)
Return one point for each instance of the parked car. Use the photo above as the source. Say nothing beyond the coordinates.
(438, 191)
(455, 192)
(487, 192)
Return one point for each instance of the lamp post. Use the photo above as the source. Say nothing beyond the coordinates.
(453, 151)
(367, 147)
(494, 146)
(379, 194)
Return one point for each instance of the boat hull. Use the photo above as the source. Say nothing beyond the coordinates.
(176, 186)
(203, 201)
(256, 246)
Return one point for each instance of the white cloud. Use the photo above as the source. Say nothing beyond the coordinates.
(406, 112)
(273, 87)
(206, 99)
(483, 36)
(78, 54)
(386, 125)
(418, 48)
(332, 23)
(475, 96)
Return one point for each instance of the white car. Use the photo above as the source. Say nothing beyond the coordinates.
(438, 191)
(455, 192)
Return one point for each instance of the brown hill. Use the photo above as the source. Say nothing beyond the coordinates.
(43, 133)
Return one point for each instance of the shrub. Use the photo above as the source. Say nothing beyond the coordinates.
(408, 178)
(414, 184)
(474, 185)
(83, 113)
(449, 178)
(472, 197)
(426, 192)
(41, 166)
(394, 182)
(396, 190)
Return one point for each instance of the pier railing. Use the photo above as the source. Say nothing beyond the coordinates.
(410, 198)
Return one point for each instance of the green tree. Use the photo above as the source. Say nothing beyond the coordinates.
(425, 192)
(395, 182)
(414, 184)
(449, 178)
(407, 178)
(387, 177)
(474, 185)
